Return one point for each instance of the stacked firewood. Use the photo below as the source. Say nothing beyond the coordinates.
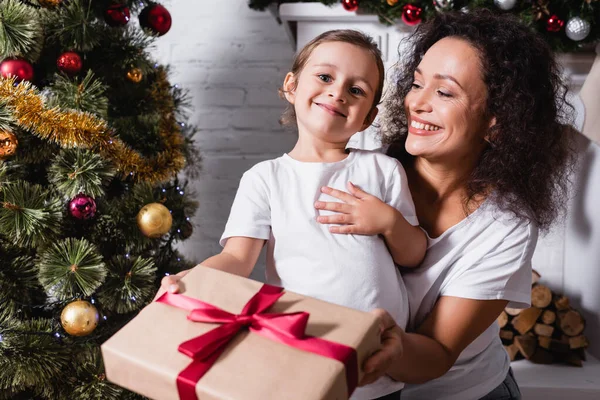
(547, 332)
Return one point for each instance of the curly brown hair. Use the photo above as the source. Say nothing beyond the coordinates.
(351, 36)
(529, 154)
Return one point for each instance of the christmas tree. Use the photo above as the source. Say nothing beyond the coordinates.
(93, 155)
(567, 25)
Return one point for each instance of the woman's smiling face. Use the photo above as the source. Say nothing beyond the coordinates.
(446, 106)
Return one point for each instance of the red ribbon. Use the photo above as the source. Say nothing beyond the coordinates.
(287, 328)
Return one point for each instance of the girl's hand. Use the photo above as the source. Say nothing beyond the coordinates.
(360, 213)
(391, 339)
(171, 283)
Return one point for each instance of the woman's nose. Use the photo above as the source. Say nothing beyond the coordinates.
(419, 101)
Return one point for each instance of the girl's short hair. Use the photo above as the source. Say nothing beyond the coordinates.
(350, 36)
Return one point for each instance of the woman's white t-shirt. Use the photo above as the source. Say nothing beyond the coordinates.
(486, 256)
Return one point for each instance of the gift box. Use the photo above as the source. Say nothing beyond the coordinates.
(258, 363)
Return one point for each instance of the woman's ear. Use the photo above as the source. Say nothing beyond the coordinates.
(289, 87)
(370, 118)
(491, 124)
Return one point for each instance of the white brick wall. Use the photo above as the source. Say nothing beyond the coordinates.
(232, 60)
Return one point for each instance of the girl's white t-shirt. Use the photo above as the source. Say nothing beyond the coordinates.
(486, 256)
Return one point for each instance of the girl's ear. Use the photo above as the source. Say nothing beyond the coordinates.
(289, 87)
(370, 118)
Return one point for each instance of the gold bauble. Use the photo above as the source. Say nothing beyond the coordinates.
(8, 144)
(154, 220)
(135, 75)
(79, 318)
(49, 3)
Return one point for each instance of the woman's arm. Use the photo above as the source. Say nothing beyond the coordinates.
(432, 350)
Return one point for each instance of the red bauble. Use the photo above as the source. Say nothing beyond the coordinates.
(350, 5)
(411, 14)
(554, 24)
(82, 206)
(117, 15)
(17, 67)
(156, 18)
(69, 62)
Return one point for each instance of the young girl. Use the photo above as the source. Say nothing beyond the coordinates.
(333, 91)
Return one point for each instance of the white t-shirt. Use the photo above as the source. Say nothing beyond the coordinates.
(486, 256)
(275, 202)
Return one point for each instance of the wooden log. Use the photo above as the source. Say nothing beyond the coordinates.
(548, 317)
(571, 358)
(543, 330)
(506, 334)
(526, 345)
(513, 311)
(570, 322)
(525, 321)
(512, 351)
(542, 356)
(577, 342)
(541, 296)
(561, 303)
(535, 276)
(502, 319)
(555, 346)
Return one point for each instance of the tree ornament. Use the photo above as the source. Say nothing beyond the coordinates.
(154, 220)
(411, 14)
(69, 63)
(392, 3)
(554, 24)
(443, 5)
(21, 69)
(49, 3)
(350, 5)
(505, 4)
(8, 144)
(117, 15)
(135, 75)
(540, 9)
(155, 18)
(79, 318)
(82, 206)
(577, 29)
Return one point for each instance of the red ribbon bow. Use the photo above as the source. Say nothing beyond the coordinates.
(287, 328)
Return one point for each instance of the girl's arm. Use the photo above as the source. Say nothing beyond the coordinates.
(432, 350)
(364, 214)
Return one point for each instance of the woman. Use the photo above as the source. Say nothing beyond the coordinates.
(476, 119)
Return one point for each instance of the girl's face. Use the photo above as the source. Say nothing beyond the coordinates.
(333, 94)
(446, 105)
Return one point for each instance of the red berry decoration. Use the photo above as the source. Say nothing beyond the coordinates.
(82, 206)
(554, 24)
(411, 14)
(117, 15)
(69, 62)
(350, 5)
(156, 18)
(21, 69)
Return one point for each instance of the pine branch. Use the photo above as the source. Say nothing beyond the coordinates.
(71, 268)
(130, 284)
(20, 30)
(76, 171)
(6, 119)
(74, 26)
(87, 95)
(18, 281)
(28, 214)
(91, 382)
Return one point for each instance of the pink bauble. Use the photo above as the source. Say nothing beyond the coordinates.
(21, 69)
(82, 206)
(156, 18)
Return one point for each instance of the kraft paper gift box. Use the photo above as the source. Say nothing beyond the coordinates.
(143, 356)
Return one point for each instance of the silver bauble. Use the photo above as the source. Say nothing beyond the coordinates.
(577, 29)
(443, 5)
(505, 4)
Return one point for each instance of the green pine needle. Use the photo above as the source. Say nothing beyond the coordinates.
(71, 268)
(20, 30)
(87, 95)
(30, 357)
(28, 215)
(76, 171)
(130, 284)
(18, 279)
(91, 382)
(73, 25)
(6, 117)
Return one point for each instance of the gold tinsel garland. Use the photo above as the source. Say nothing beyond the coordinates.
(72, 128)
